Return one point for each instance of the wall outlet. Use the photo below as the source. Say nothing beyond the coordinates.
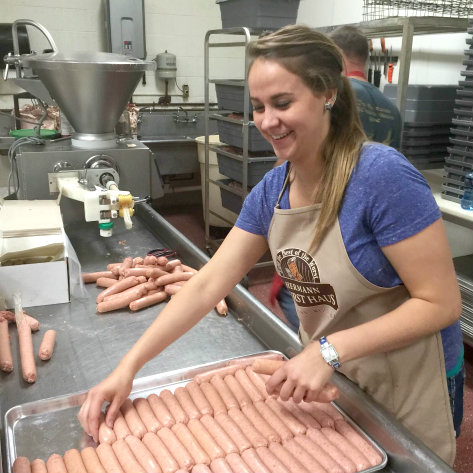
(185, 90)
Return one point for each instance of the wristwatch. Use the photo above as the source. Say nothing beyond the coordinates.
(329, 354)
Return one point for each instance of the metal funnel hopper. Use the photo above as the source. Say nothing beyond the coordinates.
(91, 89)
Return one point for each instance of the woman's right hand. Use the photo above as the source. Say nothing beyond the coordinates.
(114, 389)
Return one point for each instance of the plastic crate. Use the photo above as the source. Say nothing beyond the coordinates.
(230, 201)
(423, 92)
(231, 97)
(232, 134)
(258, 14)
(258, 166)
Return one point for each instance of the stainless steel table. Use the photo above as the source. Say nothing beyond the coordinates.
(90, 345)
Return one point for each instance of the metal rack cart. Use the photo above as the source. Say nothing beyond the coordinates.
(239, 38)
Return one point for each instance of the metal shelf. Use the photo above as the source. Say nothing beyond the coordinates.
(407, 27)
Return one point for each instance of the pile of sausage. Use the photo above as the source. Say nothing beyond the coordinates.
(141, 282)
(223, 421)
(25, 326)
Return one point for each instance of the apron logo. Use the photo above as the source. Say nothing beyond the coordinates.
(301, 277)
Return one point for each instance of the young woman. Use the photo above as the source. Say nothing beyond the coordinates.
(357, 237)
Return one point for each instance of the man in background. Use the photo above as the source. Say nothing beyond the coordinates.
(380, 117)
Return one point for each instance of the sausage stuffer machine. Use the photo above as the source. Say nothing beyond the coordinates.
(91, 166)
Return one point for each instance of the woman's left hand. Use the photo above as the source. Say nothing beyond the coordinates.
(304, 378)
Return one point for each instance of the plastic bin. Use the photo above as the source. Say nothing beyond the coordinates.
(258, 166)
(232, 134)
(230, 201)
(258, 14)
(231, 96)
(423, 92)
(215, 200)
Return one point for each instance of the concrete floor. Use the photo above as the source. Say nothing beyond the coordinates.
(189, 220)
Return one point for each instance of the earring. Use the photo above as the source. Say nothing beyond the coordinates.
(328, 105)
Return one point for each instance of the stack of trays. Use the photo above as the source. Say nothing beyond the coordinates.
(464, 269)
(427, 118)
(260, 154)
(460, 158)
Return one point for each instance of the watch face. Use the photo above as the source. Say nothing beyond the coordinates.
(329, 354)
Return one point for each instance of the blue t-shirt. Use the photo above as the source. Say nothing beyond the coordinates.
(386, 201)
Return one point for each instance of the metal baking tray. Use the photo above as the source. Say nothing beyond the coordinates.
(38, 429)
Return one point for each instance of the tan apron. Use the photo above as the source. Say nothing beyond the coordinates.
(331, 295)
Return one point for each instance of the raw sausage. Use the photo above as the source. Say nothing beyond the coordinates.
(126, 458)
(205, 439)
(199, 399)
(160, 410)
(301, 415)
(133, 420)
(271, 461)
(329, 409)
(191, 444)
(266, 366)
(237, 464)
(320, 416)
(55, 464)
(148, 300)
(261, 425)
(10, 316)
(118, 287)
(119, 302)
(143, 455)
(160, 453)
(321, 455)
(258, 382)
(105, 282)
(233, 431)
(288, 459)
(21, 465)
(255, 437)
(186, 402)
(178, 451)
(120, 427)
(106, 434)
(46, 348)
(25, 340)
(336, 453)
(350, 451)
(219, 435)
(127, 263)
(174, 407)
(201, 469)
(208, 375)
(248, 386)
(108, 459)
(273, 420)
(146, 414)
(91, 460)
(172, 278)
(92, 277)
(6, 358)
(294, 425)
(219, 465)
(73, 461)
(345, 429)
(235, 387)
(252, 459)
(304, 456)
(228, 398)
(213, 397)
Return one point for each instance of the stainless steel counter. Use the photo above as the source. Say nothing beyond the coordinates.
(90, 345)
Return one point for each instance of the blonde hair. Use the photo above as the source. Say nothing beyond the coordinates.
(318, 61)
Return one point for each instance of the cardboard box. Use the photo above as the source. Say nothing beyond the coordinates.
(39, 284)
